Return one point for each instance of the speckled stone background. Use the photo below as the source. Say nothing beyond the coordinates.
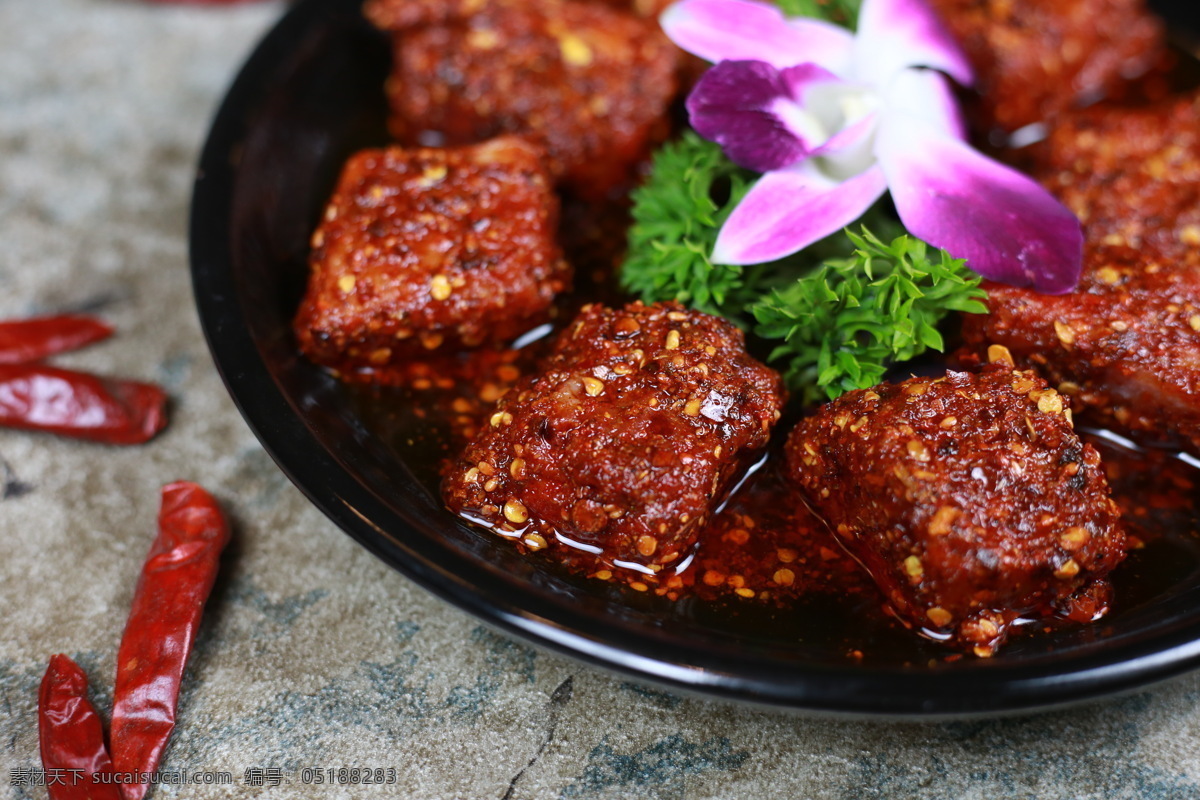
(313, 653)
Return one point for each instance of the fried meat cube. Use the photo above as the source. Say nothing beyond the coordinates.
(969, 499)
(1126, 343)
(1128, 354)
(632, 433)
(1036, 58)
(589, 83)
(1131, 175)
(427, 250)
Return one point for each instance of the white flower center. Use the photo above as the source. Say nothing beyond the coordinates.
(805, 125)
(841, 107)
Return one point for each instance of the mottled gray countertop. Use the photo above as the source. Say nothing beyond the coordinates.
(314, 654)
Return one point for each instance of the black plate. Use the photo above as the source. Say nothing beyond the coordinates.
(309, 96)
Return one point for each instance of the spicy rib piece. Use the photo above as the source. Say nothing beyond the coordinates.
(1128, 355)
(1036, 58)
(41, 398)
(71, 736)
(588, 83)
(26, 340)
(426, 251)
(969, 499)
(175, 582)
(623, 444)
(1132, 176)
(1126, 344)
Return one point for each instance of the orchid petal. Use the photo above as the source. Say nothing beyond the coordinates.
(788, 210)
(927, 96)
(743, 30)
(751, 110)
(1007, 227)
(894, 34)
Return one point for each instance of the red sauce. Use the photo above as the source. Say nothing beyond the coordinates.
(764, 567)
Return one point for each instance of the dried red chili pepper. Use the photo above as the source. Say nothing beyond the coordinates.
(175, 582)
(71, 736)
(26, 340)
(38, 397)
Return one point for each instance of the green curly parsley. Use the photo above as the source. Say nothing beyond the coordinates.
(842, 311)
(844, 323)
(675, 224)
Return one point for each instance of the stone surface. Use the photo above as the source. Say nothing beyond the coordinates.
(314, 654)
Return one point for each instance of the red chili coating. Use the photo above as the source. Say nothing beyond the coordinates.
(426, 251)
(589, 83)
(1036, 58)
(968, 498)
(176, 579)
(1131, 174)
(25, 340)
(1126, 344)
(71, 736)
(627, 439)
(41, 398)
(1129, 356)
(688, 68)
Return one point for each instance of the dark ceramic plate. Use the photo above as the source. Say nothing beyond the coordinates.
(309, 96)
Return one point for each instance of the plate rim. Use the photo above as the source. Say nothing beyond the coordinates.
(993, 689)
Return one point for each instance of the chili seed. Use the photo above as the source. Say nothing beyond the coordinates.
(999, 353)
(1074, 538)
(942, 520)
(440, 287)
(1065, 333)
(515, 512)
(1050, 403)
(939, 616)
(575, 51)
(1068, 570)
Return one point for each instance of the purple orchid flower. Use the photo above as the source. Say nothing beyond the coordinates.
(834, 120)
